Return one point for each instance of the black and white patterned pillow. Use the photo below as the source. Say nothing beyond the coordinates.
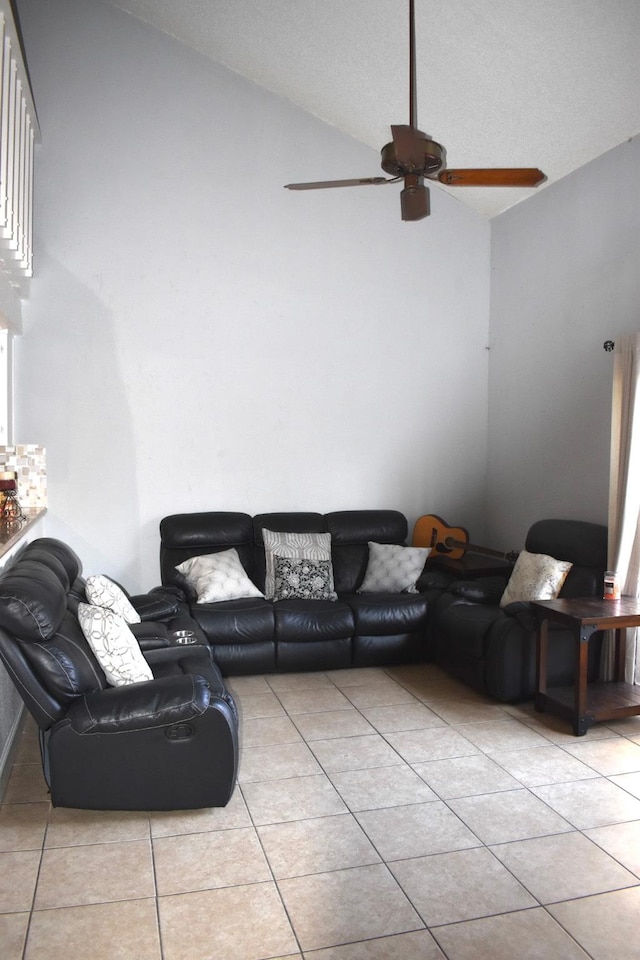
(103, 592)
(297, 579)
(116, 649)
(536, 576)
(298, 546)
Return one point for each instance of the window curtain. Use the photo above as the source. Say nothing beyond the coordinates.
(624, 489)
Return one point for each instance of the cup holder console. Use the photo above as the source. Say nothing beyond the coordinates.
(184, 636)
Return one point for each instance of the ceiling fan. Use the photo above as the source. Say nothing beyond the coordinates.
(413, 157)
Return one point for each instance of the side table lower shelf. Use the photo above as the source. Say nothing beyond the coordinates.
(605, 701)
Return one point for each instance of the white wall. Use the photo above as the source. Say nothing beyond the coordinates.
(200, 338)
(565, 278)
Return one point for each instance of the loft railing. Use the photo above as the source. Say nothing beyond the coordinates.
(18, 133)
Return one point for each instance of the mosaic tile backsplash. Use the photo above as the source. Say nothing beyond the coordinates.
(30, 463)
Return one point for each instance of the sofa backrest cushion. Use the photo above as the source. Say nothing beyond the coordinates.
(34, 615)
(295, 522)
(65, 664)
(185, 535)
(46, 558)
(32, 600)
(351, 531)
(54, 553)
(582, 543)
(192, 534)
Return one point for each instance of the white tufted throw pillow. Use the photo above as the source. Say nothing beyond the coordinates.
(102, 592)
(218, 576)
(116, 649)
(535, 576)
(393, 568)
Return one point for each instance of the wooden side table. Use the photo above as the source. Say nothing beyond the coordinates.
(585, 703)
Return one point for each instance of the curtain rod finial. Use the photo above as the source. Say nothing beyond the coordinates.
(608, 345)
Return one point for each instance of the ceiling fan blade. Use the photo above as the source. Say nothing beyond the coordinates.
(496, 177)
(324, 184)
(414, 199)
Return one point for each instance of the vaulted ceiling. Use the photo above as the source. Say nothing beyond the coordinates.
(548, 83)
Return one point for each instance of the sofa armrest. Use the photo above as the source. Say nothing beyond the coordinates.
(152, 635)
(431, 579)
(140, 706)
(159, 604)
(155, 636)
(481, 590)
(522, 611)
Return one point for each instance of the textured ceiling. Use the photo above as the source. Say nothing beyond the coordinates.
(548, 83)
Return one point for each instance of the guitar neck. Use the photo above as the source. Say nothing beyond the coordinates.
(450, 543)
(453, 542)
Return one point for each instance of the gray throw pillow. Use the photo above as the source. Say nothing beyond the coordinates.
(393, 568)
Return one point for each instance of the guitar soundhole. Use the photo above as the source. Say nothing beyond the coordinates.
(446, 546)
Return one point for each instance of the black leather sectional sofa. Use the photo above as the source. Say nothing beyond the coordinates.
(255, 635)
(458, 623)
(172, 741)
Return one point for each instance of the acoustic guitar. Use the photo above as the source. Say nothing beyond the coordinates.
(453, 542)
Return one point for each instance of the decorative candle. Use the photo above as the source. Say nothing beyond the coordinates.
(8, 480)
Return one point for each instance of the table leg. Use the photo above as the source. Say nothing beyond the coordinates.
(580, 726)
(542, 646)
(620, 649)
(581, 719)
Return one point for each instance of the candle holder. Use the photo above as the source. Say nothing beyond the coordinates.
(10, 509)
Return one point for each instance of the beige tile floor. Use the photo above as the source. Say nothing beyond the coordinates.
(379, 815)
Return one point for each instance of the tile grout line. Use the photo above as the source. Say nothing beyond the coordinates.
(479, 751)
(483, 845)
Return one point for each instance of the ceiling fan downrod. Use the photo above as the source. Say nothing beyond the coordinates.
(413, 97)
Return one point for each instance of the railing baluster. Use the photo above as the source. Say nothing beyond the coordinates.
(18, 132)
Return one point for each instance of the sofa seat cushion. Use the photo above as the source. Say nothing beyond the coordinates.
(309, 620)
(380, 614)
(235, 621)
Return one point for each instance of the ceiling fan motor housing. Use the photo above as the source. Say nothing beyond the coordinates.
(427, 159)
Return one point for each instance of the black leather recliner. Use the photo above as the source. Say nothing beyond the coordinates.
(492, 648)
(168, 743)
